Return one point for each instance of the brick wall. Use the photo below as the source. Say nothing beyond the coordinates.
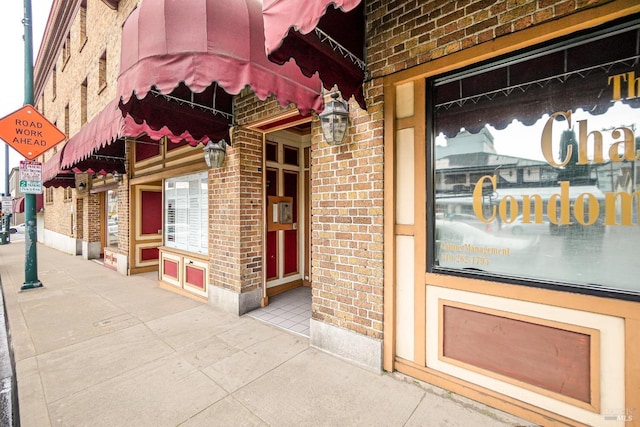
(60, 216)
(402, 34)
(347, 222)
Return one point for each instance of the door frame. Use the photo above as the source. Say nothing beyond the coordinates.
(303, 251)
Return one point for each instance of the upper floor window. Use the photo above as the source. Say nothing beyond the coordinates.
(54, 84)
(102, 71)
(82, 17)
(48, 195)
(66, 120)
(535, 165)
(83, 102)
(66, 49)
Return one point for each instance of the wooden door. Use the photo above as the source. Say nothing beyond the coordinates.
(146, 233)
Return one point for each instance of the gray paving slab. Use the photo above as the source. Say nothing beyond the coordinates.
(226, 412)
(165, 392)
(33, 403)
(80, 366)
(245, 366)
(94, 348)
(315, 389)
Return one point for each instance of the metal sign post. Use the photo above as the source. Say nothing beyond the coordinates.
(30, 253)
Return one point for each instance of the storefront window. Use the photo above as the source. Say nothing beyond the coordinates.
(185, 207)
(112, 218)
(536, 165)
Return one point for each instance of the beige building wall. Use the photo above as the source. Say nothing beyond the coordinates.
(69, 57)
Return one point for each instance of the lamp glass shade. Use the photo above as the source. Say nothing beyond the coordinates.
(334, 120)
(334, 128)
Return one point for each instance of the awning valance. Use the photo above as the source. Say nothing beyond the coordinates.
(54, 176)
(94, 146)
(322, 39)
(190, 57)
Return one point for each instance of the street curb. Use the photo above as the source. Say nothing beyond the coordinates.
(9, 412)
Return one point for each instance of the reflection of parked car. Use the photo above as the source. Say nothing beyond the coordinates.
(17, 229)
(519, 227)
(112, 228)
(469, 219)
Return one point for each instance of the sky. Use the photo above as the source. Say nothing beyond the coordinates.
(12, 52)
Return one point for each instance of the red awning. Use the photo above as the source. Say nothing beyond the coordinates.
(93, 146)
(54, 176)
(18, 204)
(322, 39)
(191, 56)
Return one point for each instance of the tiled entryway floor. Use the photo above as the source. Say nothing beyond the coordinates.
(290, 310)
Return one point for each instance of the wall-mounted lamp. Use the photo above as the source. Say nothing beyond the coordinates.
(334, 120)
(82, 186)
(117, 177)
(215, 153)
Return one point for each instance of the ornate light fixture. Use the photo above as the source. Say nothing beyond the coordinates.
(334, 120)
(117, 177)
(215, 153)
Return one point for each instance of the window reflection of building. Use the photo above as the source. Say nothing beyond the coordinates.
(112, 218)
(570, 194)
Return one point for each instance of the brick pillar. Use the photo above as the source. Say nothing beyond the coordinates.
(235, 224)
(91, 242)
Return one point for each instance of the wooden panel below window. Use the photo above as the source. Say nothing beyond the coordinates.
(170, 268)
(194, 276)
(551, 358)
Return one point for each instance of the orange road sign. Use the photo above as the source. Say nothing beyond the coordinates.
(29, 132)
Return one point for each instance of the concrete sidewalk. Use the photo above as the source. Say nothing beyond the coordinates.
(95, 348)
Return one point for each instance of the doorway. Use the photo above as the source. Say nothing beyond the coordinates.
(287, 242)
(146, 232)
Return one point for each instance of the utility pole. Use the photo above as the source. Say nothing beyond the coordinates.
(31, 257)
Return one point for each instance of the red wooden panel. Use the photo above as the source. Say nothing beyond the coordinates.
(174, 145)
(272, 254)
(146, 151)
(195, 276)
(151, 209)
(170, 268)
(148, 254)
(290, 251)
(551, 358)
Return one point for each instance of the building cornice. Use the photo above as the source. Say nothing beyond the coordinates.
(58, 25)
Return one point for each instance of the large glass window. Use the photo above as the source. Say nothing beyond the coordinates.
(535, 165)
(185, 210)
